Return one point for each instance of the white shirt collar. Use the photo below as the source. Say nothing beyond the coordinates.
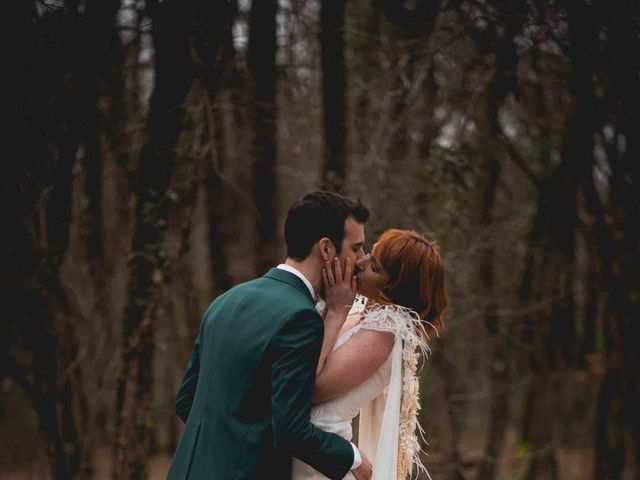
(297, 273)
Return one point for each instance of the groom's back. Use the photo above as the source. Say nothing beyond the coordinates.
(238, 330)
(228, 432)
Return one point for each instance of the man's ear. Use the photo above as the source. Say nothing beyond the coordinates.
(325, 248)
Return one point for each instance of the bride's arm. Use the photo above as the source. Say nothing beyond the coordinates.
(352, 363)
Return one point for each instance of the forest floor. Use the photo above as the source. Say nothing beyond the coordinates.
(573, 465)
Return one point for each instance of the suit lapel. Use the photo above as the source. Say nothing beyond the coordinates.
(288, 277)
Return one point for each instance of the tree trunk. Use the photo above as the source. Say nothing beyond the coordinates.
(400, 185)
(502, 84)
(617, 426)
(542, 463)
(366, 69)
(92, 67)
(334, 94)
(262, 117)
(498, 364)
(216, 47)
(551, 263)
(174, 74)
(425, 210)
(217, 206)
(499, 376)
(39, 347)
(455, 407)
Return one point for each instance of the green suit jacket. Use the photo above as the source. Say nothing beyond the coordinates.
(246, 394)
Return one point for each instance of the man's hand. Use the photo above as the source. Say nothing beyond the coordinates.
(340, 288)
(365, 470)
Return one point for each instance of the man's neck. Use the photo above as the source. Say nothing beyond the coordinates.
(309, 269)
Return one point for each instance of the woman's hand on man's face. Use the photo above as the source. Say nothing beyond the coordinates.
(339, 285)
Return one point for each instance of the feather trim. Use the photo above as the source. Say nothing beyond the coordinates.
(406, 324)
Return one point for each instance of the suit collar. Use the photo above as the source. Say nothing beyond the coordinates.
(288, 277)
(300, 275)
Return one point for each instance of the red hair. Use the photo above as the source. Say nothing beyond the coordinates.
(416, 274)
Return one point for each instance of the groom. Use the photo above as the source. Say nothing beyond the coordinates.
(246, 394)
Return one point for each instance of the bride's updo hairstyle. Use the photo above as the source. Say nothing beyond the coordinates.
(416, 274)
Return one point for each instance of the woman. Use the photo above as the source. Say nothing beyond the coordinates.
(372, 368)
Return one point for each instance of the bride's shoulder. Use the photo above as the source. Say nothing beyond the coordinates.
(390, 318)
(380, 317)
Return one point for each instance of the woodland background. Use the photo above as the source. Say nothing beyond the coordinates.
(154, 147)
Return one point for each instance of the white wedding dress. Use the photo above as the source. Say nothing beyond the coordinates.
(387, 420)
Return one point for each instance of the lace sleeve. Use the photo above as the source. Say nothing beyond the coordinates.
(381, 318)
(398, 320)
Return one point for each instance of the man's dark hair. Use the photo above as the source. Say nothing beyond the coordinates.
(317, 215)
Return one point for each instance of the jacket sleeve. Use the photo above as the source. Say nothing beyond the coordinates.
(187, 390)
(296, 349)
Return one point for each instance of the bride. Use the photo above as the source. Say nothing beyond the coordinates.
(369, 358)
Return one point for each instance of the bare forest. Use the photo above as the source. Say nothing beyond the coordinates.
(155, 146)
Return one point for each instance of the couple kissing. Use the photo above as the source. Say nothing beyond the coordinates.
(283, 363)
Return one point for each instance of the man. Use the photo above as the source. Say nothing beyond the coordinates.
(246, 394)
